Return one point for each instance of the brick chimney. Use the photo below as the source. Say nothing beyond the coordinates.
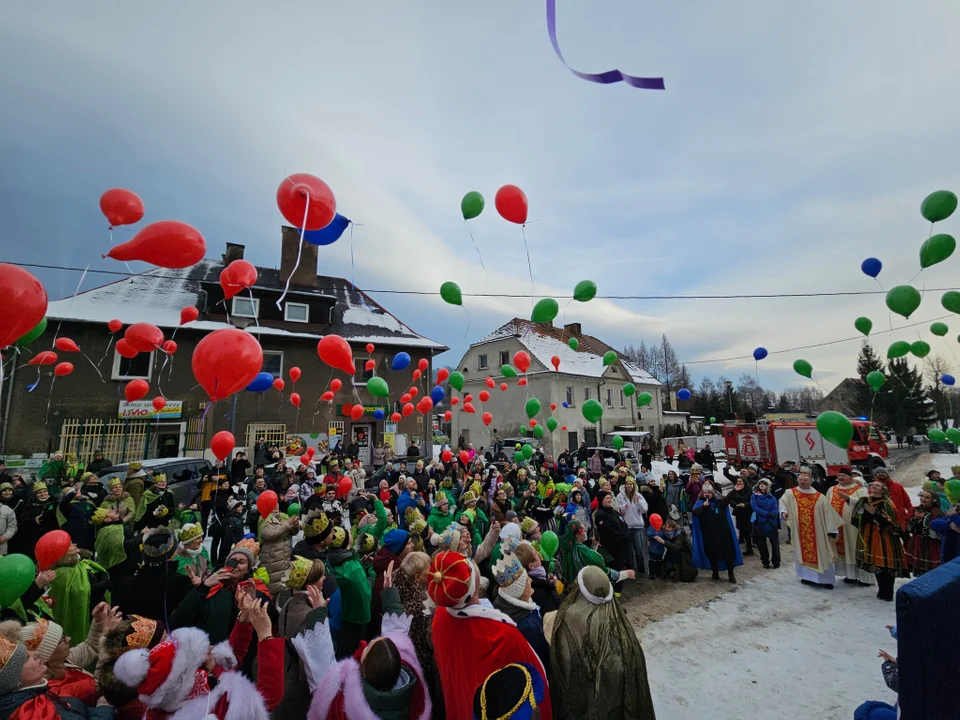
(573, 329)
(233, 252)
(306, 273)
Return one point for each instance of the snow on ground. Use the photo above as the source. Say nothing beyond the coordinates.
(771, 649)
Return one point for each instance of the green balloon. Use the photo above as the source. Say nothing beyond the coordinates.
(527, 451)
(937, 436)
(951, 488)
(835, 428)
(712, 420)
(538, 431)
(471, 205)
(518, 457)
(938, 205)
(545, 311)
(450, 292)
(903, 300)
(617, 442)
(523, 429)
(953, 435)
(573, 343)
(532, 407)
(939, 329)
(549, 542)
(552, 424)
(936, 249)
(508, 371)
(920, 348)
(876, 379)
(802, 367)
(863, 325)
(293, 509)
(17, 571)
(609, 358)
(585, 291)
(951, 301)
(898, 349)
(644, 398)
(592, 411)
(456, 380)
(37, 331)
(378, 387)
(629, 389)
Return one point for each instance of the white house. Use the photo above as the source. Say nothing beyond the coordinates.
(581, 376)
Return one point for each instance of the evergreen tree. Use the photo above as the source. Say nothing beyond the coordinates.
(905, 404)
(864, 403)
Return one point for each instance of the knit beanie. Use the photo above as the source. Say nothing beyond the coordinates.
(513, 693)
(41, 637)
(250, 549)
(12, 659)
(449, 539)
(395, 540)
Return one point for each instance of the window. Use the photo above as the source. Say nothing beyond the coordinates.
(504, 357)
(272, 363)
(245, 307)
(586, 394)
(609, 398)
(481, 362)
(842, 396)
(570, 397)
(138, 367)
(362, 373)
(622, 403)
(296, 312)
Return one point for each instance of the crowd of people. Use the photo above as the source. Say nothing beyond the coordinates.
(429, 590)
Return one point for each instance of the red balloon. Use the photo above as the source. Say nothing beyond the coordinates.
(121, 207)
(442, 374)
(468, 408)
(356, 412)
(170, 347)
(336, 352)
(295, 373)
(564, 428)
(414, 392)
(407, 410)
(405, 398)
(425, 405)
(396, 417)
(468, 398)
(553, 406)
(416, 375)
(222, 444)
(345, 486)
(66, 345)
(266, 502)
(346, 410)
(448, 416)
(446, 455)
(135, 390)
(487, 418)
(295, 399)
(279, 384)
(51, 547)
(369, 347)
(484, 396)
(238, 275)
(292, 199)
(144, 337)
(555, 361)
(327, 396)
(511, 204)
(226, 361)
(533, 423)
(521, 359)
(159, 404)
(423, 365)
(115, 325)
(24, 303)
(369, 365)
(454, 400)
(521, 382)
(464, 458)
(490, 382)
(188, 314)
(656, 522)
(167, 244)
(62, 369)
(126, 349)
(335, 385)
(504, 386)
(47, 357)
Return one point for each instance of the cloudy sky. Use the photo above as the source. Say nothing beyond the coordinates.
(791, 143)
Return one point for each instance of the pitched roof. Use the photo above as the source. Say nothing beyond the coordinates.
(157, 297)
(543, 341)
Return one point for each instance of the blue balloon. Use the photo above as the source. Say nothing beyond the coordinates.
(329, 234)
(565, 404)
(261, 383)
(759, 354)
(947, 379)
(683, 394)
(400, 361)
(378, 414)
(871, 267)
(437, 395)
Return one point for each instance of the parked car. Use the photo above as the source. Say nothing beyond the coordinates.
(611, 456)
(942, 447)
(182, 473)
(509, 446)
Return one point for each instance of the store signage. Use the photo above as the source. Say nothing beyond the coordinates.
(144, 410)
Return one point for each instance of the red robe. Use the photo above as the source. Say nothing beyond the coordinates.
(469, 645)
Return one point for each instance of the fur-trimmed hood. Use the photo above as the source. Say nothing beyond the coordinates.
(241, 698)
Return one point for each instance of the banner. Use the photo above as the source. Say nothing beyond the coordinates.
(144, 410)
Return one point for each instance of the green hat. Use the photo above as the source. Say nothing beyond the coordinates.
(190, 532)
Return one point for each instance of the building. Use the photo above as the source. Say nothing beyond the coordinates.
(843, 397)
(581, 376)
(86, 410)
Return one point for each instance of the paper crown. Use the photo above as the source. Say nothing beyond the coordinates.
(449, 539)
(250, 544)
(507, 571)
(450, 579)
(315, 526)
(296, 576)
(190, 532)
(112, 482)
(528, 526)
(338, 537)
(367, 544)
(143, 632)
(468, 497)
(99, 516)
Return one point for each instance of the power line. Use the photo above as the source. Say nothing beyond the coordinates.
(762, 296)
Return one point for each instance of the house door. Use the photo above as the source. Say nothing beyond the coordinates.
(168, 443)
(361, 437)
(590, 437)
(572, 441)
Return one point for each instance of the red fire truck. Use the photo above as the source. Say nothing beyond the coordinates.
(772, 443)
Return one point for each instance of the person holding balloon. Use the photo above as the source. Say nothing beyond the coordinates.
(679, 552)
(275, 534)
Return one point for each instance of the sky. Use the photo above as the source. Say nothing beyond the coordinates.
(791, 143)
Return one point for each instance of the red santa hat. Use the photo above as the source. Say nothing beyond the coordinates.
(451, 580)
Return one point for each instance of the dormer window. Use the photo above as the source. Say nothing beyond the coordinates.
(296, 312)
(246, 307)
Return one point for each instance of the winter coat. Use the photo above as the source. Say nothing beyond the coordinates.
(154, 591)
(77, 512)
(382, 559)
(8, 526)
(766, 512)
(686, 570)
(613, 533)
(45, 705)
(632, 511)
(595, 465)
(439, 520)
(34, 520)
(354, 585)
(296, 693)
(657, 551)
(275, 549)
(530, 624)
(545, 595)
(736, 497)
(214, 610)
(233, 530)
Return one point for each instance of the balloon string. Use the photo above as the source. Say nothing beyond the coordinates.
(523, 231)
(475, 245)
(949, 347)
(70, 304)
(253, 304)
(468, 322)
(166, 359)
(94, 366)
(106, 352)
(814, 378)
(46, 416)
(303, 227)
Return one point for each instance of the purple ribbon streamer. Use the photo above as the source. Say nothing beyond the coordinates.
(604, 78)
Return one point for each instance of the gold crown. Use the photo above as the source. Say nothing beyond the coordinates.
(338, 537)
(296, 577)
(316, 526)
(7, 649)
(143, 631)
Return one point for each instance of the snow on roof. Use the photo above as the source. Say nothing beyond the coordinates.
(638, 374)
(157, 297)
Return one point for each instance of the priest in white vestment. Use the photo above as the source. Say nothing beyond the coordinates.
(814, 525)
(842, 498)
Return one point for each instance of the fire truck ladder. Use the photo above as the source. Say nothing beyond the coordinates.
(764, 445)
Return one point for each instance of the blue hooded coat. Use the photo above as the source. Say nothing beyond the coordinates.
(700, 558)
